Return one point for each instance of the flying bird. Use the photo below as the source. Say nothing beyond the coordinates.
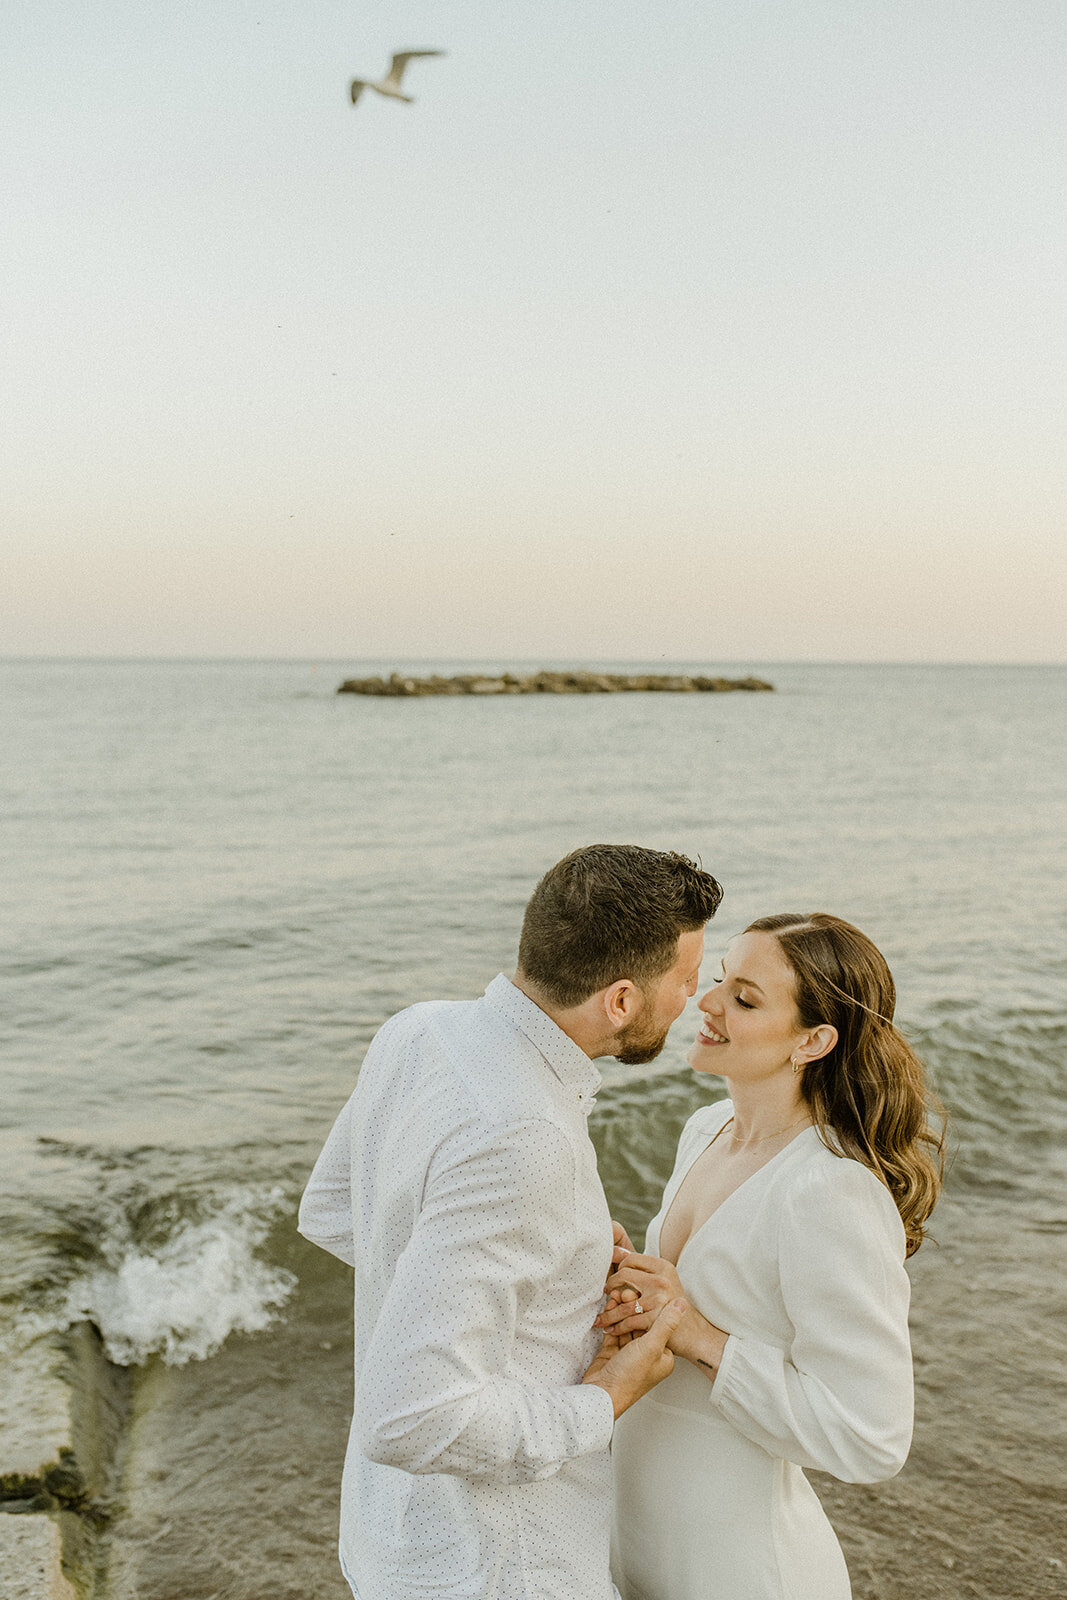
(390, 84)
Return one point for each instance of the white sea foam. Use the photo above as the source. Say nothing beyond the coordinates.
(181, 1299)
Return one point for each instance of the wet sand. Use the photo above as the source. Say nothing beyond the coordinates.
(230, 1475)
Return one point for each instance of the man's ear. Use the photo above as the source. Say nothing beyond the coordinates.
(621, 1002)
(819, 1043)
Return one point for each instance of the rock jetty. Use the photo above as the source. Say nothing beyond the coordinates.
(548, 683)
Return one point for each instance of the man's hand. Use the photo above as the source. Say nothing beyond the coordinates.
(627, 1371)
(622, 1241)
(620, 1248)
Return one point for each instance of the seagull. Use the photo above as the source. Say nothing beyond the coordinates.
(390, 84)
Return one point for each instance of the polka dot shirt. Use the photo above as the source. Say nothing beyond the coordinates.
(460, 1183)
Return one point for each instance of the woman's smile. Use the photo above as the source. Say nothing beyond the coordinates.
(710, 1035)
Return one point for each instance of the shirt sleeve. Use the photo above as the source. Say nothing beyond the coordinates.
(435, 1392)
(326, 1205)
(840, 1398)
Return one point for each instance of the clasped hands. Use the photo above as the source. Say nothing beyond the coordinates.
(638, 1288)
(627, 1366)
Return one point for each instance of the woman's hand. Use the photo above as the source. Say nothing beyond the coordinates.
(638, 1290)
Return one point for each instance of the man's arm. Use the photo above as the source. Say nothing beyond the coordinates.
(326, 1204)
(435, 1393)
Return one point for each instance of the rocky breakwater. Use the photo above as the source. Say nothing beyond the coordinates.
(400, 687)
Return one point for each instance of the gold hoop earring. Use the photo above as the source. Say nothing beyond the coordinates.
(795, 1064)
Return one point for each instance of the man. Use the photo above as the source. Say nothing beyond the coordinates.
(460, 1182)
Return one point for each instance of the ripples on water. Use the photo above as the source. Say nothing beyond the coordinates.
(226, 877)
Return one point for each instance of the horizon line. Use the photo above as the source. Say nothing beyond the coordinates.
(332, 660)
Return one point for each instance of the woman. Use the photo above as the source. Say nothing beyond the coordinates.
(785, 1224)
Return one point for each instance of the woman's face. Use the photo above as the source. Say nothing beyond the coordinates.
(750, 1028)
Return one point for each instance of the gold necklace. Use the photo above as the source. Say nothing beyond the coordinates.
(776, 1135)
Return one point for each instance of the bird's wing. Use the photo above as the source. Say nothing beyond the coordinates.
(356, 88)
(400, 61)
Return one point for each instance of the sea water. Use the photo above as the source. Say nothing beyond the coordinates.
(222, 877)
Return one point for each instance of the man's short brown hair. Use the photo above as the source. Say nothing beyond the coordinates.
(611, 911)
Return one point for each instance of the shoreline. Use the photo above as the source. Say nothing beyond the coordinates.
(220, 1479)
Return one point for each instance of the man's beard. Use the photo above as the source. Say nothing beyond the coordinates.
(636, 1044)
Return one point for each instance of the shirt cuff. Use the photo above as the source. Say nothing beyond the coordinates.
(595, 1417)
(590, 1421)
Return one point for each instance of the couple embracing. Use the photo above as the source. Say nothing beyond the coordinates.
(542, 1412)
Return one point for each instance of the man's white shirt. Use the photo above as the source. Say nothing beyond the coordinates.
(460, 1183)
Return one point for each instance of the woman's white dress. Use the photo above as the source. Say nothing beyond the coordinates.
(803, 1267)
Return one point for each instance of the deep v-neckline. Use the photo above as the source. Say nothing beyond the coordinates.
(726, 1198)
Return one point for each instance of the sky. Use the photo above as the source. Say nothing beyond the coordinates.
(685, 329)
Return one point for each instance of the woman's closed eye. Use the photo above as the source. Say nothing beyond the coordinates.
(746, 1005)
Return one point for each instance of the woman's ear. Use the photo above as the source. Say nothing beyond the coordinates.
(819, 1043)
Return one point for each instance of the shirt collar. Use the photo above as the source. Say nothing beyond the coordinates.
(567, 1060)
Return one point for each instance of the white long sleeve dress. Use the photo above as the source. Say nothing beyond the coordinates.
(803, 1267)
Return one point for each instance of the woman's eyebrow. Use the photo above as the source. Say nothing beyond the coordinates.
(736, 978)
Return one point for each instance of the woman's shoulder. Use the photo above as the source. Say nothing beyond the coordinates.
(823, 1181)
(706, 1122)
(701, 1129)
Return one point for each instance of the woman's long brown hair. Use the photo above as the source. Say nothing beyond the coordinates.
(868, 1096)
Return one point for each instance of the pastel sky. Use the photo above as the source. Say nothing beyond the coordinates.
(706, 330)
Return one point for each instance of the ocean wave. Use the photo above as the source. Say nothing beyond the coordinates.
(182, 1296)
